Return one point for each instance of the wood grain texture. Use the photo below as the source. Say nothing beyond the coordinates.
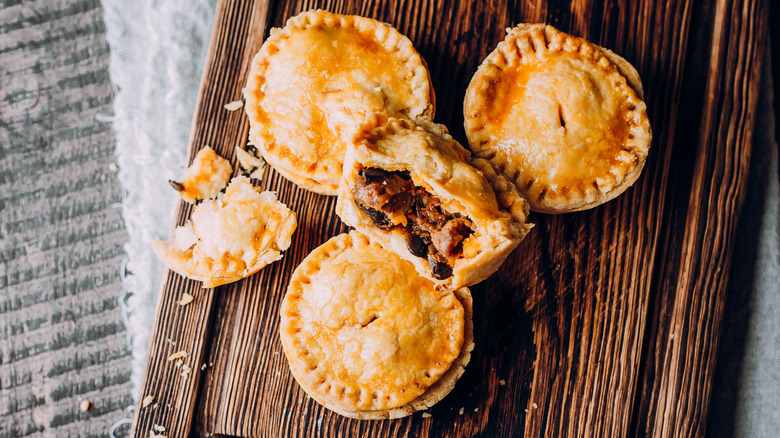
(680, 359)
(62, 338)
(602, 323)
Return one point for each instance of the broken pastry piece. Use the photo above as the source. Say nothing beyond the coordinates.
(205, 178)
(411, 187)
(250, 164)
(367, 337)
(229, 238)
(315, 80)
(560, 117)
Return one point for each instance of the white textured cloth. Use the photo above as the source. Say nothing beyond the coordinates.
(157, 53)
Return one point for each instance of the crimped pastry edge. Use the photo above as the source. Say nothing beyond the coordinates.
(526, 40)
(432, 394)
(325, 181)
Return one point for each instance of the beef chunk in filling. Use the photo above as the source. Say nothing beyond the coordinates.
(440, 268)
(449, 238)
(382, 190)
(430, 232)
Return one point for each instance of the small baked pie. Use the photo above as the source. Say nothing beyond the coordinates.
(229, 238)
(367, 337)
(560, 117)
(320, 76)
(410, 186)
(204, 178)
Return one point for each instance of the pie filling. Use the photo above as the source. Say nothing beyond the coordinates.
(393, 202)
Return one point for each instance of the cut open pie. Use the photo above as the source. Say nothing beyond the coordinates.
(229, 238)
(560, 117)
(367, 337)
(410, 186)
(320, 76)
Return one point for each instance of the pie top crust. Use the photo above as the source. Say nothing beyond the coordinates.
(468, 188)
(365, 335)
(229, 238)
(316, 79)
(559, 116)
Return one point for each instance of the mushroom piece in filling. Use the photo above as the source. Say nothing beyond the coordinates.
(430, 232)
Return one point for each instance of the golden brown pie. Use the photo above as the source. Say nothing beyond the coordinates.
(411, 187)
(205, 177)
(229, 238)
(560, 117)
(320, 76)
(367, 337)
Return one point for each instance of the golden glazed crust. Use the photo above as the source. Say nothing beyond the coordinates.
(441, 166)
(366, 336)
(205, 177)
(229, 238)
(560, 117)
(320, 76)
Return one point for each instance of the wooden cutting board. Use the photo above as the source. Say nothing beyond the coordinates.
(601, 323)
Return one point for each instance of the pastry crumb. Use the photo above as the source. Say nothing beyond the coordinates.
(147, 401)
(177, 355)
(185, 371)
(234, 105)
(85, 405)
(535, 406)
(502, 382)
(186, 298)
(250, 164)
(460, 412)
(426, 415)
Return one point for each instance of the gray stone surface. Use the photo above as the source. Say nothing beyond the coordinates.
(62, 339)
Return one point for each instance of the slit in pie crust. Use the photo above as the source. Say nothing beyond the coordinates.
(560, 117)
(367, 337)
(320, 76)
(411, 187)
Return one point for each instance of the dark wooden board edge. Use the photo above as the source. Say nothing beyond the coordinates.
(186, 328)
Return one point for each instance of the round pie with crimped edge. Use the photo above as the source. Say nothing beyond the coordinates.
(316, 79)
(559, 116)
(367, 337)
